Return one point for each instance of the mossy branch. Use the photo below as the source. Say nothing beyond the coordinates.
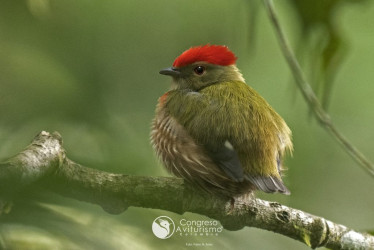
(44, 163)
(310, 97)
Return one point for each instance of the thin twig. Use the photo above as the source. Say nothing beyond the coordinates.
(310, 97)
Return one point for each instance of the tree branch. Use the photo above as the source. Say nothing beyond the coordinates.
(44, 162)
(310, 97)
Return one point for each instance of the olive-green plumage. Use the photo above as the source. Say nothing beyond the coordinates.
(235, 112)
(217, 132)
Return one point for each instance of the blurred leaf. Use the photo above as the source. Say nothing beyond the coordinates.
(322, 38)
(5, 207)
(40, 225)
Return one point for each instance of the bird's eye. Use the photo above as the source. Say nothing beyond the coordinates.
(199, 70)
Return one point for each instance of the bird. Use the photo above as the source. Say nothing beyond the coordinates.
(215, 131)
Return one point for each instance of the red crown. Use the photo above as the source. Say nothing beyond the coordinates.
(214, 54)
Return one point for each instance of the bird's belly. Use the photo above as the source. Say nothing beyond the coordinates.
(185, 158)
(175, 148)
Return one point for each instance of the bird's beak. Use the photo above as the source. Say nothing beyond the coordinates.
(170, 71)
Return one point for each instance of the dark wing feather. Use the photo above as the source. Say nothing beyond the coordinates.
(268, 184)
(227, 159)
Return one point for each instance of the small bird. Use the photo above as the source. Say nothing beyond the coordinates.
(215, 131)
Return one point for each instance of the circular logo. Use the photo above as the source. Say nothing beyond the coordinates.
(163, 227)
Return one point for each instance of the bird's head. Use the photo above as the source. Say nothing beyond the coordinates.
(164, 223)
(201, 66)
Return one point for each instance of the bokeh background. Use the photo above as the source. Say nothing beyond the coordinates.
(89, 69)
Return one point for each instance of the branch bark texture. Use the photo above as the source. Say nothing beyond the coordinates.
(44, 162)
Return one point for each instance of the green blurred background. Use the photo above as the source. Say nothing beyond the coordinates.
(89, 69)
